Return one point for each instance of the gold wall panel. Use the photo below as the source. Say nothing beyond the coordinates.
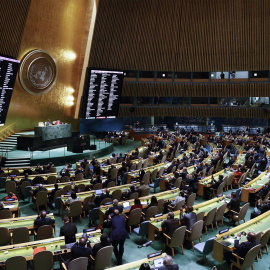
(182, 35)
(61, 28)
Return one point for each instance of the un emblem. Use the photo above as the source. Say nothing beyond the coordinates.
(38, 72)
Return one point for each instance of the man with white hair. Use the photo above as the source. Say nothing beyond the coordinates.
(168, 264)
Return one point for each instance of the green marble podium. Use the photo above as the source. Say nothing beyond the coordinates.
(53, 132)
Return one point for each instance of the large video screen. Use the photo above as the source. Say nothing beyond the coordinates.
(8, 72)
(102, 93)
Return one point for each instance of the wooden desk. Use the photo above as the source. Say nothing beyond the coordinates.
(53, 244)
(154, 225)
(13, 206)
(254, 186)
(258, 224)
(136, 265)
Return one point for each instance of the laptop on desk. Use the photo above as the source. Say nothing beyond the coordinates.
(98, 192)
(158, 263)
(126, 205)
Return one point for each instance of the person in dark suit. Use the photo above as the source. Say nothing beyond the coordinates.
(68, 230)
(114, 207)
(26, 179)
(81, 249)
(215, 184)
(39, 188)
(168, 264)
(241, 249)
(105, 195)
(38, 180)
(189, 218)
(43, 220)
(104, 242)
(233, 205)
(118, 235)
(141, 173)
(170, 224)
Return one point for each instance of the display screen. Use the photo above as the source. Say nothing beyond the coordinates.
(102, 93)
(8, 72)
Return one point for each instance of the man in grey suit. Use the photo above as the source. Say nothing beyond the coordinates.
(168, 264)
(189, 218)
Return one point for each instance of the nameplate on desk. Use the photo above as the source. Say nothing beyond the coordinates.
(158, 215)
(154, 254)
(223, 231)
(220, 195)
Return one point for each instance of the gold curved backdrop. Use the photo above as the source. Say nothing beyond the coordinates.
(60, 28)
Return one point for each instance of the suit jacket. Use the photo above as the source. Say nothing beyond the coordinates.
(170, 225)
(46, 221)
(111, 209)
(119, 231)
(69, 230)
(234, 205)
(77, 252)
(169, 267)
(243, 248)
(188, 219)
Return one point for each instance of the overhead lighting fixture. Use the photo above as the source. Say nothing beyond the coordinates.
(163, 75)
(255, 74)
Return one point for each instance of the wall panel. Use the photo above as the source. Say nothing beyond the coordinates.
(182, 35)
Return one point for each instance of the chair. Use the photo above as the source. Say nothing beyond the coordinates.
(264, 242)
(97, 186)
(153, 175)
(161, 171)
(103, 258)
(111, 184)
(176, 240)
(117, 194)
(146, 163)
(209, 219)
(178, 182)
(150, 212)
(139, 165)
(134, 195)
(42, 198)
(179, 205)
(145, 192)
(191, 199)
(134, 218)
(195, 233)
(79, 263)
(81, 187)
(20, 235)
(86, 207)
(94, 216)
(242, 214)
(133, 167)
(160, 206)
(205, 248)
(217, 166)
(51, 179)
(23, 185)
(11, 187)
(163, 159)
(65, 179)
(155, 184)
(146, 178)
(219, 214)
(43, 260)
(200, 216)
(16, 262)
(105, 201)
(229, 181)
(219, 190)
(114, 173)
(210, 172)
(248, 260)
(78, 176)
(15, 172)
(52, 170)
(5, 214)
(143, 229)
(75, 210)
(44, 232)
(5, 236)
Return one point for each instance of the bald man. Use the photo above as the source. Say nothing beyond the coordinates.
(43, 220)
(82, 249)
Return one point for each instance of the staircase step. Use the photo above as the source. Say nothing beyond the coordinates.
(8, 143)
(19, 159)
(27, 164)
